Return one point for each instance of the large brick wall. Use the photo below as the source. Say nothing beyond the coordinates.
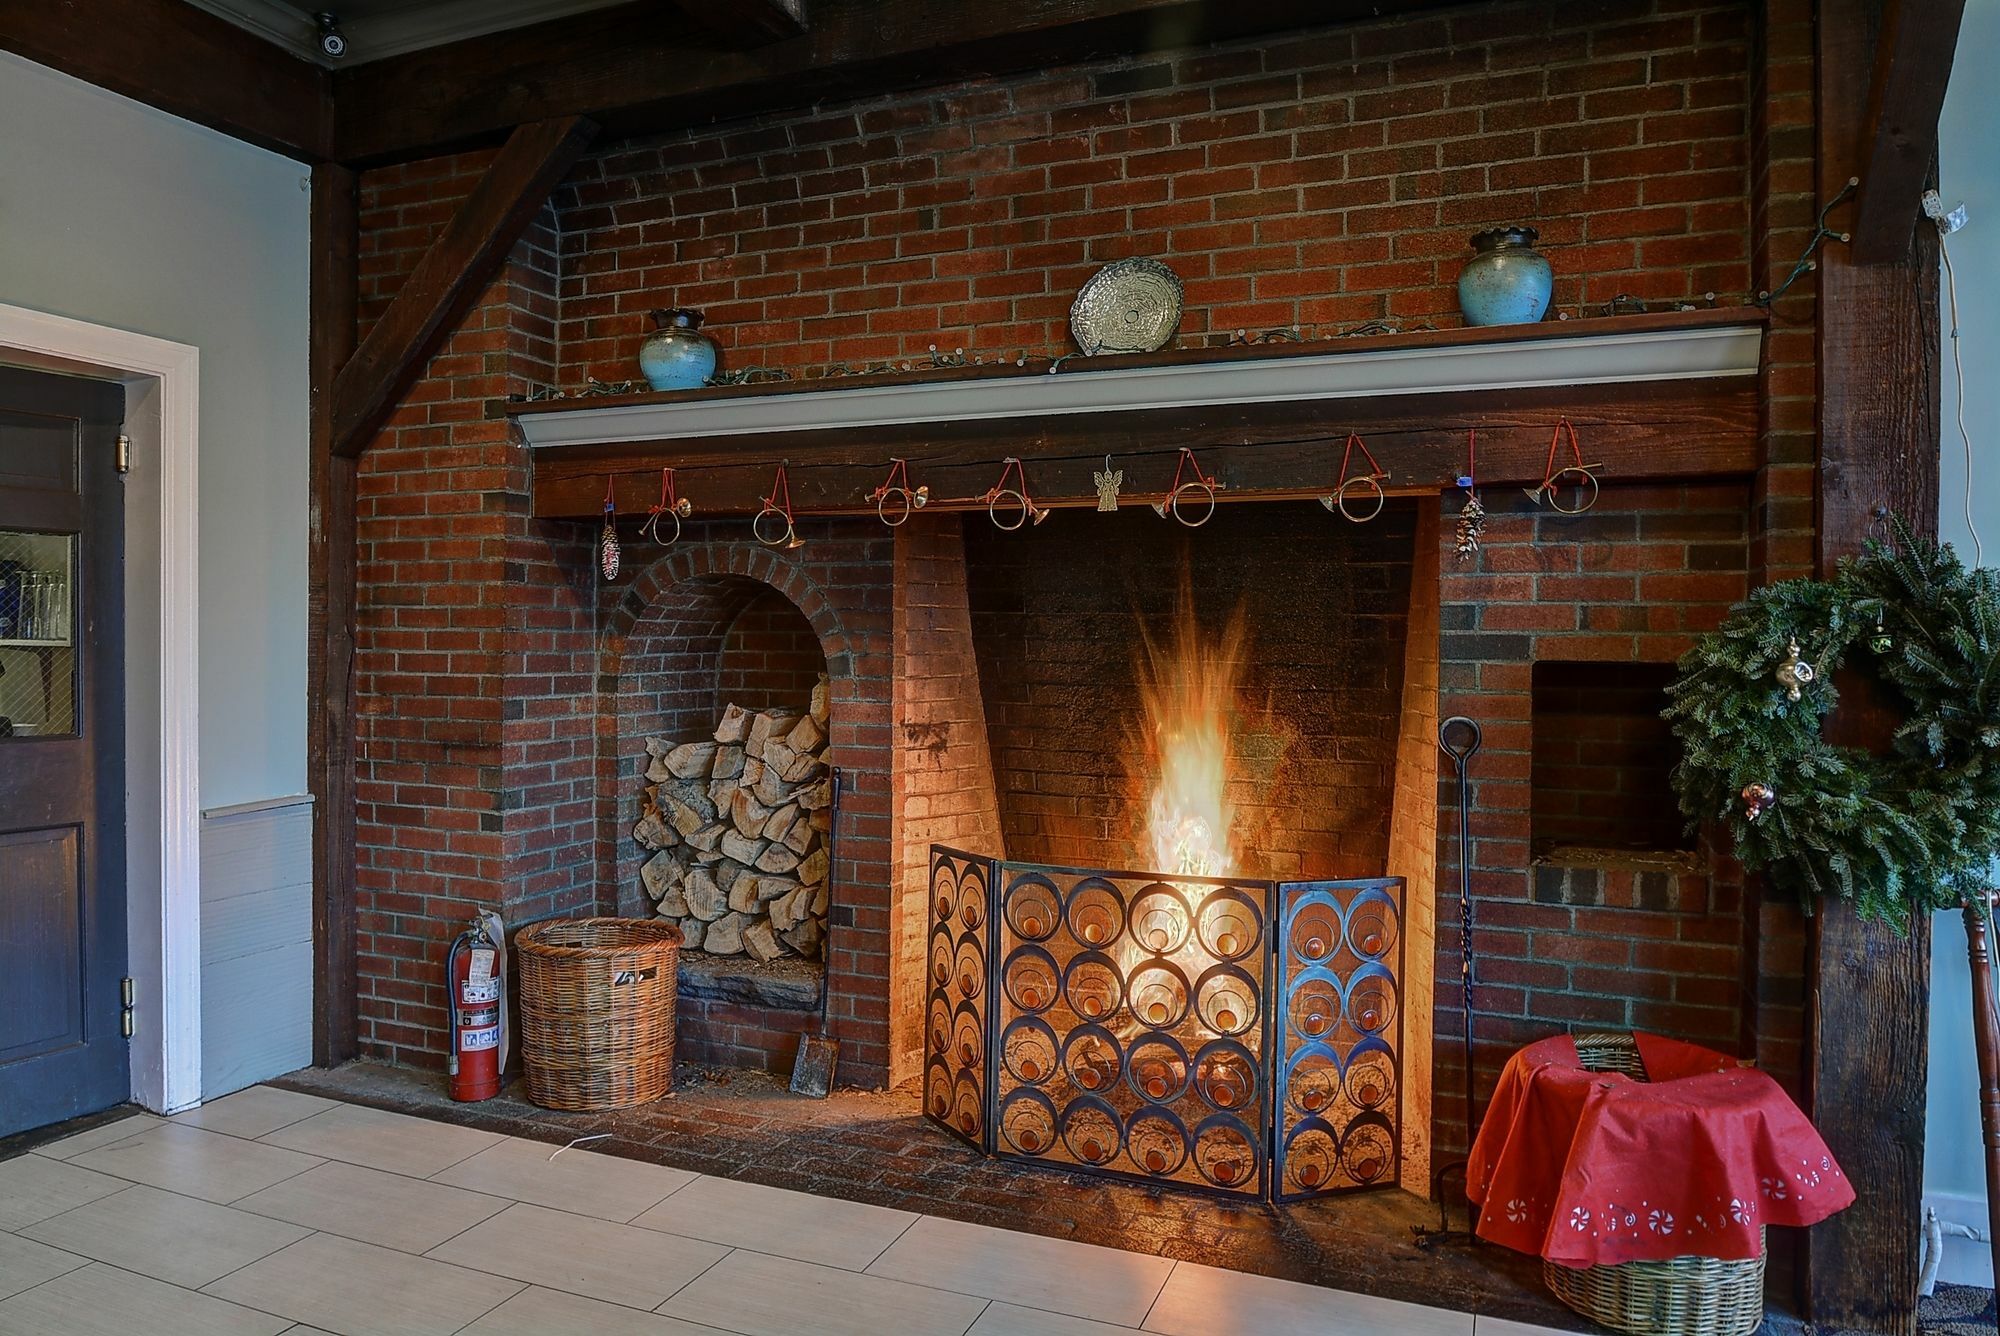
(1324, 180)
(1662, 146)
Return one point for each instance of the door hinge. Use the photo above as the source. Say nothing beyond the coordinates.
(127, 994)
(124, 457)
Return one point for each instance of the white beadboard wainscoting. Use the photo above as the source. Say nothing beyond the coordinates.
(256, 942)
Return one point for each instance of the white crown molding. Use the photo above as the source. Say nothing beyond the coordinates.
(1683, 354)
(395, 32)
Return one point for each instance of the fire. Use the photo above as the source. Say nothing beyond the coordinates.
(1188, 690)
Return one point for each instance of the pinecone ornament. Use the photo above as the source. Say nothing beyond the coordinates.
(1471, 527)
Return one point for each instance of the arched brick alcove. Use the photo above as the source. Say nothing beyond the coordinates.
(720, 619)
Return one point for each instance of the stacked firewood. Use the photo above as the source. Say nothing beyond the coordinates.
(738, 825)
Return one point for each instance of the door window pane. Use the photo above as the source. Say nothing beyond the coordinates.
(37, 635)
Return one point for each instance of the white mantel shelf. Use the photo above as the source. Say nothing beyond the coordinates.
(1698, 345)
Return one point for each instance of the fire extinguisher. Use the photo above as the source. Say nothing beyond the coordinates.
(476, 973)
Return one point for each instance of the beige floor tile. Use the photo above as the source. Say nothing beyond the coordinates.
(539, 1312)
(1080, 1279)
(166, 1236)
(581, 1255)
(773, 1220)
(104, 1134)
(100, 1300)
(33, 1187)
(1207, 1301)
(25, 1263)
(407, 1214)
(195, 1163)
(1500, 1326)
(345, 1286)
(255, 1111)
(760, 1295)
(383, 1140)
(1011, 1320)
(576, 1181)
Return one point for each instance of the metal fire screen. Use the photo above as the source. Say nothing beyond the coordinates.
(1119, 1023)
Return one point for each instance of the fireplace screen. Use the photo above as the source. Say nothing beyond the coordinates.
(1234, 1036)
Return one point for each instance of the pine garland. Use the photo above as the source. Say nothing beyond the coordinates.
(1906, 832)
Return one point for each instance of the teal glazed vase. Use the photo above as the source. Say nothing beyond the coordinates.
(677, 355)
(1507, 281)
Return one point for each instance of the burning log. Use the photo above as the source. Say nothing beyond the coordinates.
(736, 828)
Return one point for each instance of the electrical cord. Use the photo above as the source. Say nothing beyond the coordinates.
(1958, 386)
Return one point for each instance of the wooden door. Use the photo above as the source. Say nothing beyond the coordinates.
(62, 749)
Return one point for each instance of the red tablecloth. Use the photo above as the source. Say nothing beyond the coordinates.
(1594, 1169)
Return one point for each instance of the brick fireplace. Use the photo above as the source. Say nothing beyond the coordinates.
(978, 679)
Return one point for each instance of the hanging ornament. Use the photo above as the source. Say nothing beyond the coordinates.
(1880, 641)
(607, 541)
(1757, 800)
(1472, 516)
(1107, 484)
(1363, 487)
(777, 510)
(1002, 500)
(1578, 473)
(1794, 674)
(894, 500)
(1198, 490)
(672, 507)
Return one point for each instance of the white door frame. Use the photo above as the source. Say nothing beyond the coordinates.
(163, 808)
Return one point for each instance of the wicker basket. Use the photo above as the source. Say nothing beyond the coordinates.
(597, 1011)
(1684, 1296)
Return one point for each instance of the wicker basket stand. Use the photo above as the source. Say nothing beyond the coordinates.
(597, 1011)
(1682, 1296)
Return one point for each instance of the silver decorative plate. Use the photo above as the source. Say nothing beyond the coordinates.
(1129, 306)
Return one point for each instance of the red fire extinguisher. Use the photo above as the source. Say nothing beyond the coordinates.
(476, 973)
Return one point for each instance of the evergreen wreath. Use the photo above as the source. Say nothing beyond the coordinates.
(1910, 831)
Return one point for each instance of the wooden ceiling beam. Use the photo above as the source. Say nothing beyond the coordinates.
(1899, 140)
(450, 277)
(748, 22)
(644, 67)
(183, 61)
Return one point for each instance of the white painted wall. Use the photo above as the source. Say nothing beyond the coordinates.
(1968, 171)
(117, 214)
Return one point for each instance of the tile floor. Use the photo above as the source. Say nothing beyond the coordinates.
(275, 1211)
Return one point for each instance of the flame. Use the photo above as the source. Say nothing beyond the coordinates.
(1188, 691)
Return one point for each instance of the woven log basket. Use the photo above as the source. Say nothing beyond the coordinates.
(597, 1011)
(1682, 1296)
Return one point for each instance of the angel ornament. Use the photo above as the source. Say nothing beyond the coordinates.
(1108, 483)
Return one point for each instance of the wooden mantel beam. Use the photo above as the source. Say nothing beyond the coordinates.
(183, 61)
(748, 22)
(645, 67)
(1899, 142)
(450, 276)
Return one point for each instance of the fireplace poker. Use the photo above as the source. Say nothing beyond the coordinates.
(1461, 756)
(819, 1055)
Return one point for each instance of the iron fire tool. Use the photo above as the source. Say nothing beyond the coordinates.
(819, 1055)
(1460, 756)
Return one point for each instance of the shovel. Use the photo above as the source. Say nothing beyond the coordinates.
(819, 1055)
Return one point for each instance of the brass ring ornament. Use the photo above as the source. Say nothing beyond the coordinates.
(993, 511)
(1584, 500)
(895, 500)
(1361, 480)
(1201, 486)
(785, 537)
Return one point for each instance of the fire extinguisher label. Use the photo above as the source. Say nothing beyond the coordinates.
(475, 991)
(482, 966)
(471, 1041)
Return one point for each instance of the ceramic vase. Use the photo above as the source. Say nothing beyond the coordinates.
(1507, 281)
(677, 355)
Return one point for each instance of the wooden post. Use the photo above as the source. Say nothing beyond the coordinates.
(331, 557)
(1868, 988)
(1986, 1042)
